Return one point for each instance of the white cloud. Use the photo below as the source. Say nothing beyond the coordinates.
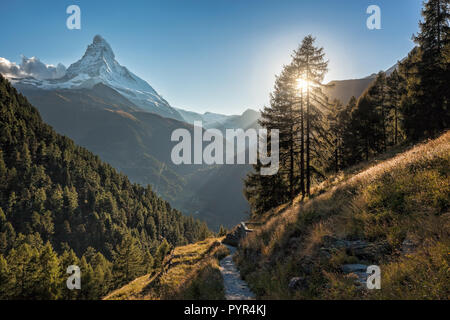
(31, 67)
(9, 69)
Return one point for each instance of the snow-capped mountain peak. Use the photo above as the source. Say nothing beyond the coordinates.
(98, 65)
(98, 54)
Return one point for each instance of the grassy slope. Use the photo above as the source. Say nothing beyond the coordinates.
(404, 197)
(189, 272)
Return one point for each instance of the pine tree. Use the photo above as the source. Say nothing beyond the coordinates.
(49, 276)
(283, 116)
(264, 192)
(11, 203)
(3, 243)
(297, 109)
(26, 157)
(425, 109)
(310, 62)
(395, 90)
(337, 131)
(3, 174)
(203, 232)
(127, 260)
(349, 147)
(5, 278)
(25, 269)
(2, 219)
(222, 231)
(88, 282)
(148, 262)
(369, 121)
(377, 96)
(103, 271)
(161, 252)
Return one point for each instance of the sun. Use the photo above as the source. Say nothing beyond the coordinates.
(302, 84)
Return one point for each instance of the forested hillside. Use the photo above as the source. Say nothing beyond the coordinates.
(61, 205)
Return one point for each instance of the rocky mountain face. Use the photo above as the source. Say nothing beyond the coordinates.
(99, 65)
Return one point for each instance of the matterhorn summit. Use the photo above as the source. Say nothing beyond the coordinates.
(98, 65)
(98, 58)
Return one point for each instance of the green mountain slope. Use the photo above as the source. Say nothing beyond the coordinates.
(101, 120)
(53, 191)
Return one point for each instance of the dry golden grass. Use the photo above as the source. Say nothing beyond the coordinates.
(406, 194)
(135, 290)
(190, 272)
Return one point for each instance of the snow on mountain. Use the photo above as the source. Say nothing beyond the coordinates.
(98, 65)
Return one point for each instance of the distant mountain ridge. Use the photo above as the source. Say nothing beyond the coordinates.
(343, 90)
(220, 121)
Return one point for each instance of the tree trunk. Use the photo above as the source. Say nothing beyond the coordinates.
(367, 149)
(308, 155)
(336, 155)
(395, 125)
(302, 147)
(291, 169)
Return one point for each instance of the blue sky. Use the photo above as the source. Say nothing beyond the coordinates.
(215, 55)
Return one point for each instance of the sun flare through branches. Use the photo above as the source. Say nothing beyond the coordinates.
(302, 84)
